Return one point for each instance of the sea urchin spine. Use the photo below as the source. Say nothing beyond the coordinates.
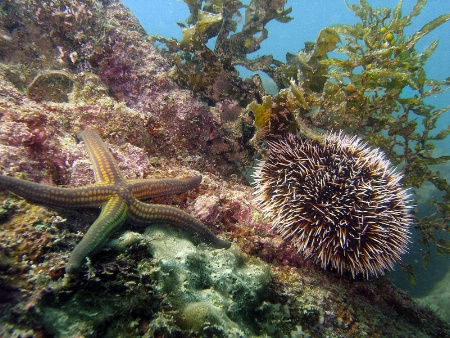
(339, 202)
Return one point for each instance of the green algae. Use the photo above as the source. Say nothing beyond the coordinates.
(222, 285)
(195, 315)
(127, 285)
(210, 73)
(262, 111)
(375, 87)
(193, 290)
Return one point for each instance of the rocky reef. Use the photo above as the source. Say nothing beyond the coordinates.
(71, 65)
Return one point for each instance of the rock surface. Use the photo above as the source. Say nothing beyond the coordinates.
(102, 72)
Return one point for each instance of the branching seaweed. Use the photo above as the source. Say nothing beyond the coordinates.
(378, 89)
(238, 30)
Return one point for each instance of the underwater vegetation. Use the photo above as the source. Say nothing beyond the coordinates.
(374, 85)
(378, 90)
(57, 78)
(238, 30)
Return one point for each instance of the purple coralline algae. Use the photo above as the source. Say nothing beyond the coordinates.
(72, 65)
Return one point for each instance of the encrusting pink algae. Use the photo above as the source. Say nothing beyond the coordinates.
(103, 73)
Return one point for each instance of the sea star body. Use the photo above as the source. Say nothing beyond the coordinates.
(118, 199)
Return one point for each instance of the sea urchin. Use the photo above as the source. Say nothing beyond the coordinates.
(339, 202)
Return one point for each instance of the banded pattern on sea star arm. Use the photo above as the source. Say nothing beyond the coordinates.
(118, 199)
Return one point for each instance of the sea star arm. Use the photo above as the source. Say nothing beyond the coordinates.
(143, 213)
(147, 188)
(87, 196)
(118, 199)
(105, 166)
(112, 216)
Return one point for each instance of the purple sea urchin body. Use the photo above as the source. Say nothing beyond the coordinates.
(340, 202)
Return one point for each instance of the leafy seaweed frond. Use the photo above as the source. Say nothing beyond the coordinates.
(377, 87)
(238, 29)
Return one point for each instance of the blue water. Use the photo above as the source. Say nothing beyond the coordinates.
(161, 17)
